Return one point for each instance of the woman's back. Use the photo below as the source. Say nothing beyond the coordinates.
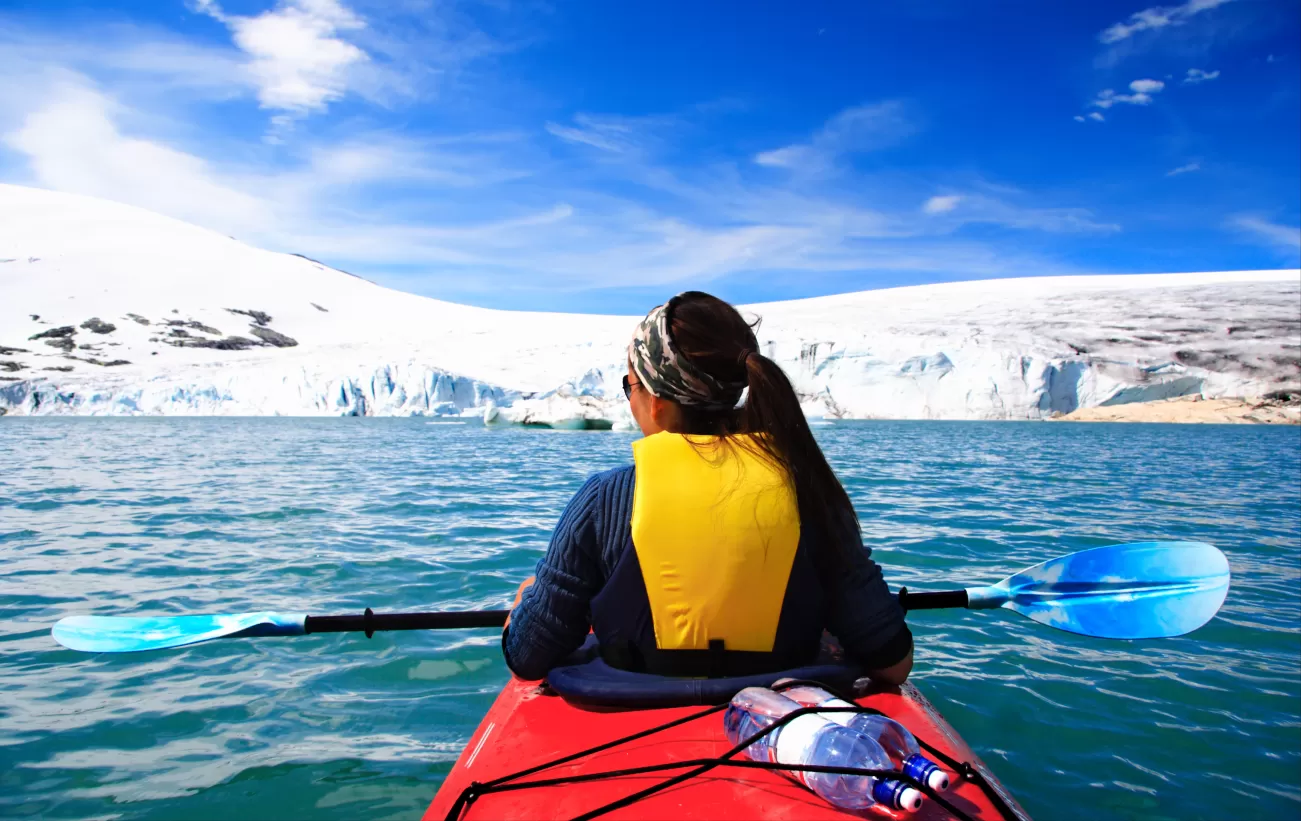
(734, 544)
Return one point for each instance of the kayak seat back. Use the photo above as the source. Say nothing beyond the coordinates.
(586, 679)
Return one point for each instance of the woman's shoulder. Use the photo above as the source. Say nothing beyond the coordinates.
(616, 480)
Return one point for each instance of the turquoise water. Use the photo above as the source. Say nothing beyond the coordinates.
(157, 516)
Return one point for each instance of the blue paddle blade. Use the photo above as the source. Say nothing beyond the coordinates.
(126, 634)
(1144, 590)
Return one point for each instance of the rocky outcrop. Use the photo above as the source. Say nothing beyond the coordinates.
(259, 317)
(60, 337)
(98, 326)
(273, 338)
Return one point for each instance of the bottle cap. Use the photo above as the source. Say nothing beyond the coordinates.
(938, 780)
(897, 796)
(910, 800)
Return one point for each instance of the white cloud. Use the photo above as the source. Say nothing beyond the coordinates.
(1143, 91)
(614, 134)
(1196, 75)
(859, 129)
(1078, 118)
(73, 144)
(1096, 116)
(296, 55)
(1156, 17)
(479, 210)
(1184, 169)
(940, 205)
(1283, 237)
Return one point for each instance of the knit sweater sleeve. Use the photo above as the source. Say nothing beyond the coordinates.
(863, 614)
(554, 615)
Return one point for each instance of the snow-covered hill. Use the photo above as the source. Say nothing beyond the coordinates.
(108, 309)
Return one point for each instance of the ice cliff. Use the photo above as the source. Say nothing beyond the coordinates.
(108, 309)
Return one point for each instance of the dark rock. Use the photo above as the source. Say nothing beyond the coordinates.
(63, 343)
(260, 317)
(65, 330)
(1287, 397)
(11, 366)
(10, 379)
(271, 337)
(190, 323)
(101, 362)
(97, 325)
(64, 368)
(230, 343)
(138, 318)
(87, 348)
(9, 351)
(318, 307)
(35, 317)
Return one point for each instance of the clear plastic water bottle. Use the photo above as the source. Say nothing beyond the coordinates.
(902, 747)
(812, 739)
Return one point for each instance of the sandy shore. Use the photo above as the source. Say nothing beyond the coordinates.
(1194, 410)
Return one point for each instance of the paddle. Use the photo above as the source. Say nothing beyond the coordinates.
(1127, 591)
(1143, 590)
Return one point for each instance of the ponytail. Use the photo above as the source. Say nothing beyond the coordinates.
(717, 340)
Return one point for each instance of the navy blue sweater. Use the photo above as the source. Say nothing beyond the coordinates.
(553, 618)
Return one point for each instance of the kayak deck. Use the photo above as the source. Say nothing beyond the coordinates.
(529, 726)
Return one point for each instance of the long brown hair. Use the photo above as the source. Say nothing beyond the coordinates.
(717, 340)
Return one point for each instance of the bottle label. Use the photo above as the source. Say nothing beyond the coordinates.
(842, 719)
(795, 741)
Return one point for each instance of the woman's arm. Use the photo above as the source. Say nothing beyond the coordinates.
(867, 618)
(551, 615)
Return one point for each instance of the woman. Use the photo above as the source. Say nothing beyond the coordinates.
(729, 546)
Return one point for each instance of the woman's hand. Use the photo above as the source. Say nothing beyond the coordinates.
(519, 595)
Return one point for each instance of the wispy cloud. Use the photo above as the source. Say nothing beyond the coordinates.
(546, 204)
(1196, 75)
(1155, 18)
(1142, 94)
(1184, 169)
(614, 134)
(860, 129)
(72, 143)
(941, 204)
(1286, 238)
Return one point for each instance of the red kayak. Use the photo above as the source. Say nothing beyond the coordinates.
(529, 727)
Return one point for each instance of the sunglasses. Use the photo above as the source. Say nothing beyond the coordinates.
(627, 388)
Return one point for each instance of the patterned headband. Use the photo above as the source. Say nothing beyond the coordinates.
(669, 375)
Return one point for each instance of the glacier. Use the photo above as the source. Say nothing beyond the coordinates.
(107, 309)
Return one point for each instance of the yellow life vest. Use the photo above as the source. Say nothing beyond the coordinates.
(715, 526)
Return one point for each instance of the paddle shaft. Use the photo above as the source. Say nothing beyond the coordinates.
(370, 622)
(940, 600)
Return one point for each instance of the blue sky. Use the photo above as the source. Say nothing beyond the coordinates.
(599, 156)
